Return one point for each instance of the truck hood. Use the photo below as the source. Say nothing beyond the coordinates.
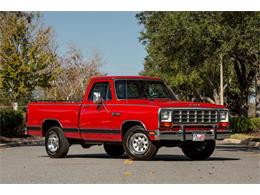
(184, 104)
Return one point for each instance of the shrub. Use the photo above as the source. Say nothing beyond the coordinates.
(11, 123)
(245, 125)
(256, 124)
(240, 124)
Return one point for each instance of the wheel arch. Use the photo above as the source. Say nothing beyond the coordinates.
(48, 123)
(126, 125)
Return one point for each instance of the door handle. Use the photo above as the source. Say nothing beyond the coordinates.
(85, 106)
(116, 113)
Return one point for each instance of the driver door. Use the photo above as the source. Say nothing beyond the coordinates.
(95, 119)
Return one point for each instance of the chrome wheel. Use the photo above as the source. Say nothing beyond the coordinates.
(53, 142)
(139, 143)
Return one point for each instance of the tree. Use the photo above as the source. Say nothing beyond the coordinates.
(27, 54)
(73, 75)
(244, 28)
(187, 48)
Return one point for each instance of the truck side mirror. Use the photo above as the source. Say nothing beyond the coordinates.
(97, 99)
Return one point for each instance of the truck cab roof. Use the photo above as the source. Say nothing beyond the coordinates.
(125, 77)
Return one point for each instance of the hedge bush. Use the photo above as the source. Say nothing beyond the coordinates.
(11, 123)
(256, 124)
(245, 125)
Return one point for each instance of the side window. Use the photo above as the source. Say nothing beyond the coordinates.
(155, 90)
(103, 88)
(133, 89)
(120, 86)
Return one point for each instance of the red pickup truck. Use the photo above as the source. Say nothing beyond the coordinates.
(135, 115)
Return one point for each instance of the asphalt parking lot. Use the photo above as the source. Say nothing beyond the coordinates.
(30, 164)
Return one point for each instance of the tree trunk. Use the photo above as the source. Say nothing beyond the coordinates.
(257, 99)
(216, 96)
(244, 103)
(244, 80)
(221, 87)
(15, 106)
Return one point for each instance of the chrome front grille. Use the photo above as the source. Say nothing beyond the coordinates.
(194, 116)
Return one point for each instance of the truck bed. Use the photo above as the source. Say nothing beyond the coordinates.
(66, 112)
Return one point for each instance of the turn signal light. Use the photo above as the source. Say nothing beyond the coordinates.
(166, 124)
(223, 124)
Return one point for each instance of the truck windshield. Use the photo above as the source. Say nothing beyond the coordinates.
(142, 89)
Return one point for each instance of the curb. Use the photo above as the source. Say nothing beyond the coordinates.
(36, 142)
(247, 142)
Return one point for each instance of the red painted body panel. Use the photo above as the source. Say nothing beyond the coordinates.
(35, 133)
(64, 112)
(84, 120)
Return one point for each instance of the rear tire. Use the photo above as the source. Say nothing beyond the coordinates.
(199, 150)
(56, 144)
(137, 144)
(114, 150)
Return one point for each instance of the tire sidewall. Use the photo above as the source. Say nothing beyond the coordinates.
(151, 151)
(63, 143)
(190, 151)
(114, 150)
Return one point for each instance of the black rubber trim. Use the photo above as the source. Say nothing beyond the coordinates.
(73, 130)
(100, 131)
(94, 131)
(70, 129)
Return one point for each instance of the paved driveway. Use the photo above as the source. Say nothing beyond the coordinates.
(30, 164)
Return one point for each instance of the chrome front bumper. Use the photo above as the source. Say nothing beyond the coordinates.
(183, 136)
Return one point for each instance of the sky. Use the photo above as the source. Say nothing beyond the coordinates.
(113, 34)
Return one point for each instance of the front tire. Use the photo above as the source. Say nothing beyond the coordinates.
(199, 150)
(137, 145)
(56, 144)
(114, 150)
